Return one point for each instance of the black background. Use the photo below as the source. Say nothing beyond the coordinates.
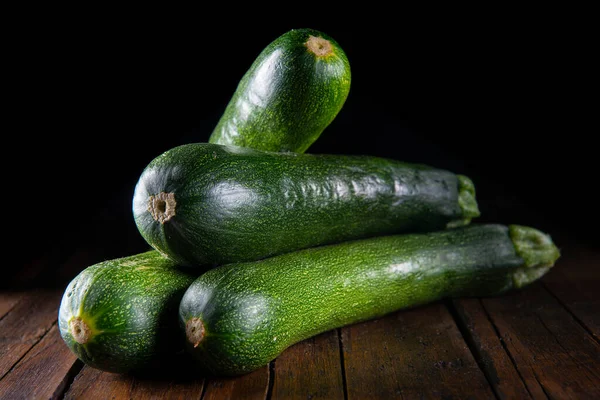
(498, 100)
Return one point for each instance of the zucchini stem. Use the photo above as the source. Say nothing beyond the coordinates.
(80, 331)
(466, 201)
(194, 331)
(537, 250)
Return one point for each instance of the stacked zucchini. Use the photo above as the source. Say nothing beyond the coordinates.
(257, 245)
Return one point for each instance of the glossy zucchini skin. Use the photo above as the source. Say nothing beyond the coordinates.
(239, 317)
(292, 91)
(121, 315)
(208, 204)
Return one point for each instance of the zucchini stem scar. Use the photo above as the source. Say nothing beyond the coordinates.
(80, 331)
(319, 46)
(194, 331)
(162, 206)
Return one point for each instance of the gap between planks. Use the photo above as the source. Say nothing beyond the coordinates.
(541, 333)
(571, 286)
(461, 319)
(573, 314)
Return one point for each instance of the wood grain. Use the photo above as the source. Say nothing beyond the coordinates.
(43, 373)
(417, 353)
(176, 389)
(252, 386)
(575, 281)
(489, 350)
(93, 384)
(24, 325)
(168, 381)
(310, 369)
(8, 299)
(554, 354)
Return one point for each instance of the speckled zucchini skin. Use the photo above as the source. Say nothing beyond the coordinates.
(252, 311)
(238, 204)
(130, 305)
(288, 96)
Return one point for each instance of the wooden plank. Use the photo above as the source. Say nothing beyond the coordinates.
(554, 354)
(310, 369)
(165, 383)
(43, 373)
(8, 299)
(155, 388)
(575, 281)
(25, 324)
(172, 378)
(489, 351)
(417, 353)
(93, 384)
(252, 386)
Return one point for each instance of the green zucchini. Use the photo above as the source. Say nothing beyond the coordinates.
(209, 204)
(121, 315)
(239, 317)
(289, 95)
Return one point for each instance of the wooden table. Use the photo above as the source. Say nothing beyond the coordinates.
(540, 342)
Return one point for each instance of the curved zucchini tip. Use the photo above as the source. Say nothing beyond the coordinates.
(537, 250)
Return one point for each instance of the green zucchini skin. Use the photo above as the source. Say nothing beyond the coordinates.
(288, 96)
(239, 317)
(232, 204)
(129, 307)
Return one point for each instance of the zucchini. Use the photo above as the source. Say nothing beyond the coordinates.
(121, 315)
(239, 317)
(210, 204)
(292, 91)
